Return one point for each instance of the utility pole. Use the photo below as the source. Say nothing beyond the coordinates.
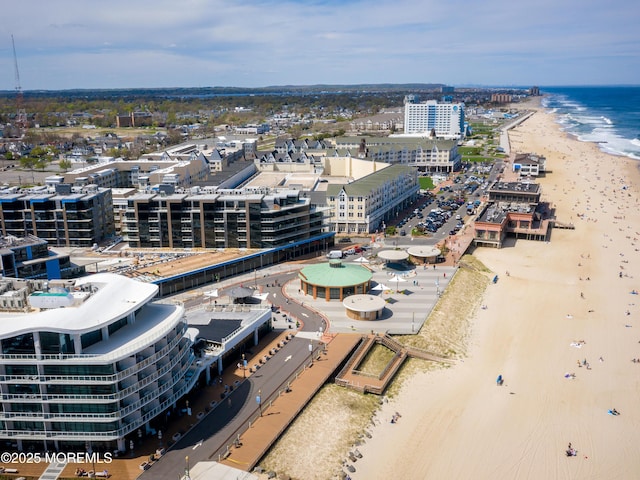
(21, 114)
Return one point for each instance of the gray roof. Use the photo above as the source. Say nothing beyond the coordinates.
(425, 143)
(366, 185)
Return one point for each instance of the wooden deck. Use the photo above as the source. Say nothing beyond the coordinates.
(350, 376)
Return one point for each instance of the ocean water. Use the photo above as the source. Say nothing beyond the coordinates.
(608, 116)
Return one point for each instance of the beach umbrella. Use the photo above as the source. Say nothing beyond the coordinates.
(397, 279)
(380, 287)
(211, 294)
(361, 260)
(261, 296)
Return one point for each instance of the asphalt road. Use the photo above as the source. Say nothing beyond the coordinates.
(209, 437)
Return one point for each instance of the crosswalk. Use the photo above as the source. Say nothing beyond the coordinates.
(53, 471)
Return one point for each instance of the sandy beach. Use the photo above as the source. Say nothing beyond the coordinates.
(565, 302)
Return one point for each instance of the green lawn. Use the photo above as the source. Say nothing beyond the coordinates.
(426, 183)
(464, 151)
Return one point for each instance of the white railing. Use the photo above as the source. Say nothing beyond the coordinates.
(92, 379)
(111, 435)
(46, 397)
(132, 347)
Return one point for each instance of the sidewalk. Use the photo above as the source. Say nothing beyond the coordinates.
(277, 416)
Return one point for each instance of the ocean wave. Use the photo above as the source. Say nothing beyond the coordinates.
(574, 105)
(589, 120)
(613, 145)
(609, 117)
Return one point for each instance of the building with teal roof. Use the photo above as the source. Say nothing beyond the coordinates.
(334, 280)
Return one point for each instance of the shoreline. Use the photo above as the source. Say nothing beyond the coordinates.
(574, 288)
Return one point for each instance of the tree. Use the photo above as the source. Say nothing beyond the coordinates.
(41, 163)
(27, 163)
(64, 165)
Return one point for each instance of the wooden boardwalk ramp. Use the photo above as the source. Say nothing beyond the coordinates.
(350, 376)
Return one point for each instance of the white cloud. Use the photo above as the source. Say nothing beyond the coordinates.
(218, 42)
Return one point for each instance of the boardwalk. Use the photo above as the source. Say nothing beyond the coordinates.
(277, 416)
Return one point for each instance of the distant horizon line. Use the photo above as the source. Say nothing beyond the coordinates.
(321, 85)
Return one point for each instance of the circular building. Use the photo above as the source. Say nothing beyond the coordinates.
(423, 254)
(364, 307)
(393, 255)
(394, 259)
(334, 280)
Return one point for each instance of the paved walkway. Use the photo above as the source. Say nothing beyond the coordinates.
(277, 416)
(409, 302)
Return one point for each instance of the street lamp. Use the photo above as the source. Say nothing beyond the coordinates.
(186, 468)
(244, 367)
(259, 400)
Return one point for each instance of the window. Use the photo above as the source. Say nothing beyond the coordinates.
(19, 345)
(52, 343)
(115, 326)
(91, 338)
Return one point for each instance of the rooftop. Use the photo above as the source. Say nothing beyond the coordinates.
(336, 275)
(111, 297)
(520, 187)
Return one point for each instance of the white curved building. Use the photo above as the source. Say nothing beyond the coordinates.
(92, 363)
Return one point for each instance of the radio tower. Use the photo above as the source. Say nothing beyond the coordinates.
(21, 114)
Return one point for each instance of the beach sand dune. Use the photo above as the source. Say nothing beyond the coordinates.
(565, 303)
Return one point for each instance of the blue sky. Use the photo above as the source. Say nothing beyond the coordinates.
(64, 44)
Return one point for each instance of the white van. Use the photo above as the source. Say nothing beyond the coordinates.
(334, 254)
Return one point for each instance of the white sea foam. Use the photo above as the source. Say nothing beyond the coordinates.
(594, 127)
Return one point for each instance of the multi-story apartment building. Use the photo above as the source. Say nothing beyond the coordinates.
(29, 257)
(501, 98)
(444, 120)
(428, 154)
(362, 206)
(89, 364)
(92, 363)
(63, 216)
(289, 145)
(138, 173)
(219, 218)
